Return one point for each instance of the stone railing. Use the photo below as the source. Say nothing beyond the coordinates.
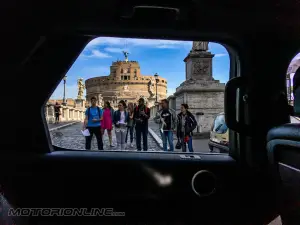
(67, 113)
(153, 111)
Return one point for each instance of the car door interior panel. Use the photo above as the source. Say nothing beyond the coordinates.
(251, 185)
(139, 184)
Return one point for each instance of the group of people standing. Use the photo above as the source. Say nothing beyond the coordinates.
(124, 120)
(132, 117)
(182, 125)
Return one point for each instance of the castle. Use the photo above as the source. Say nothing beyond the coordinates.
(126, 82)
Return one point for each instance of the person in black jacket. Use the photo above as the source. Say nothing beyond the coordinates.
(141, 116)
(120, 120)
(186, 123)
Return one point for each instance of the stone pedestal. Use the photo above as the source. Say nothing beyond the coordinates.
(100, 100)
(80, 104)
(50, 114)
(200, 91)
(201, 96)
(151, 102)
(172, 102)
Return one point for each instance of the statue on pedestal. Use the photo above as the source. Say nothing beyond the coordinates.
(126, 55)
(151, 87)
(200, 46)
(81, 88)
(100, 99)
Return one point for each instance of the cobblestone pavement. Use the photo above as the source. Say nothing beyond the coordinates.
(71, 138)
(199, 145)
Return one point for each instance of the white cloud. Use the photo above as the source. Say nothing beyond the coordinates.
(166, 46)
(97, 54)
(115, 50)
(220, 55)
(105, 40)
(125, 42)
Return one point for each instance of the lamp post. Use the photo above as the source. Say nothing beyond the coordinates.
(156, 81)
(64, 98)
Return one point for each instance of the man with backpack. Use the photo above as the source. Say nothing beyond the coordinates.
(141, 116)
(92, 122)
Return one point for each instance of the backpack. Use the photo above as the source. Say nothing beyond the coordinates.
(89, 112)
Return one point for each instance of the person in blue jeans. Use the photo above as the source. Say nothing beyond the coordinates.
(92, 122)
(186, 123)
(190, 144)
(166, 117)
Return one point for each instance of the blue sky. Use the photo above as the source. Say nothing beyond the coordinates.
(164, 57)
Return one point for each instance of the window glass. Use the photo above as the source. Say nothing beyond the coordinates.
(293, 92)
(98, 106)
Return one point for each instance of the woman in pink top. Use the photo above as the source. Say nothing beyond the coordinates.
(107, 121)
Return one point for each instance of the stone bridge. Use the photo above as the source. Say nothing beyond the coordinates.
(68, 135)
(67, 113)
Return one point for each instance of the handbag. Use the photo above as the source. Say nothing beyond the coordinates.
(178, 145)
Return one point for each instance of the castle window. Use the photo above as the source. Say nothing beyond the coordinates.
(163, 81)
(122, 71)
(128, 77)
(125, 77)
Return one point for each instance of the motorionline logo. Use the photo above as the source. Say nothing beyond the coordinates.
(64, 212)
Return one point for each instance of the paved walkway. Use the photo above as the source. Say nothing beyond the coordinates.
(52, 126)
(71, 138)
(295, 119)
